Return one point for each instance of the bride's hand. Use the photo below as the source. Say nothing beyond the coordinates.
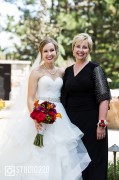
(38, 126)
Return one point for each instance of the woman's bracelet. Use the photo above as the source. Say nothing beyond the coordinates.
(102, 123)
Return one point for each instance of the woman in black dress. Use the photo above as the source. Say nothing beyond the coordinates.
(86, 95)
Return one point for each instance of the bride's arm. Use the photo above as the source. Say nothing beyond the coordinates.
(32, 89)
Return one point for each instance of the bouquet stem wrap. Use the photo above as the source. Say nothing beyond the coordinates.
(39, 137)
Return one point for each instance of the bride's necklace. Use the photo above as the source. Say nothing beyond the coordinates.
(52, 73)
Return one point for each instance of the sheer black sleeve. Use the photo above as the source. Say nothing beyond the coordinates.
(63, 92)
(102, 90)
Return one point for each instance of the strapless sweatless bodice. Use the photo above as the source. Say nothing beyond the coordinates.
(47, 87)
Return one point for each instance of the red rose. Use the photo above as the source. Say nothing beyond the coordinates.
(34, 113)
(38, 116)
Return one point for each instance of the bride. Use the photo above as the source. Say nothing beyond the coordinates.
(63, 156)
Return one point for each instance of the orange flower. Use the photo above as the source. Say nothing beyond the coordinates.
(59, 115)
(36, 103)
(49, 106)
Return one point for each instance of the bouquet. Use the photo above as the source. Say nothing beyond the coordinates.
(43, 113)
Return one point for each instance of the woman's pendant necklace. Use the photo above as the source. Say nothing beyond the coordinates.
(52, 73)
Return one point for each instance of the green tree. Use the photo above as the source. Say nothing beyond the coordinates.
(62, 21)
(99, 18)
(31, 28)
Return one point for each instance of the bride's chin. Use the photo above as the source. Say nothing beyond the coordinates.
(50, 62)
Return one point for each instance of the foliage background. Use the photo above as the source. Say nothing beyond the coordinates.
(111, 170)
(62, 20)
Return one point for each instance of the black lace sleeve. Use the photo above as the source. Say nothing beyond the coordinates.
(102, 90)
(63, 92)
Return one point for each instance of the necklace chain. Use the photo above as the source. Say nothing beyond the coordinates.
(52, 73)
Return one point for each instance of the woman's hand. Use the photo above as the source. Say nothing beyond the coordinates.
(101, 133)
(38, 126)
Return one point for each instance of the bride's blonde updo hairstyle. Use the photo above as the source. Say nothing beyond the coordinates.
(81, 37)
(46, 41)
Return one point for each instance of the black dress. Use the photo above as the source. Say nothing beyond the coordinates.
(81, 95)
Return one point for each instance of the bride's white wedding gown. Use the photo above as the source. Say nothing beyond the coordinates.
(63, 156)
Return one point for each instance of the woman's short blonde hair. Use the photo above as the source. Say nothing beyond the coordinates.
(46, 41)
(81, 37)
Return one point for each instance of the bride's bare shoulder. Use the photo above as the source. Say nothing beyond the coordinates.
(36, 72)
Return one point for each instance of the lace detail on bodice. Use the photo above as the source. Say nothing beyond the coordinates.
(47, 87)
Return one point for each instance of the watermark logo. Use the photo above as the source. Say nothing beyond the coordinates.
(24, 170)
(9, 170)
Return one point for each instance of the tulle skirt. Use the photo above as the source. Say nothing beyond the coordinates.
(63, 156)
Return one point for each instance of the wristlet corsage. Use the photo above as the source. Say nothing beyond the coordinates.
(102, 123)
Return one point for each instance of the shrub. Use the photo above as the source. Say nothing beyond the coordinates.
(111, 170)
